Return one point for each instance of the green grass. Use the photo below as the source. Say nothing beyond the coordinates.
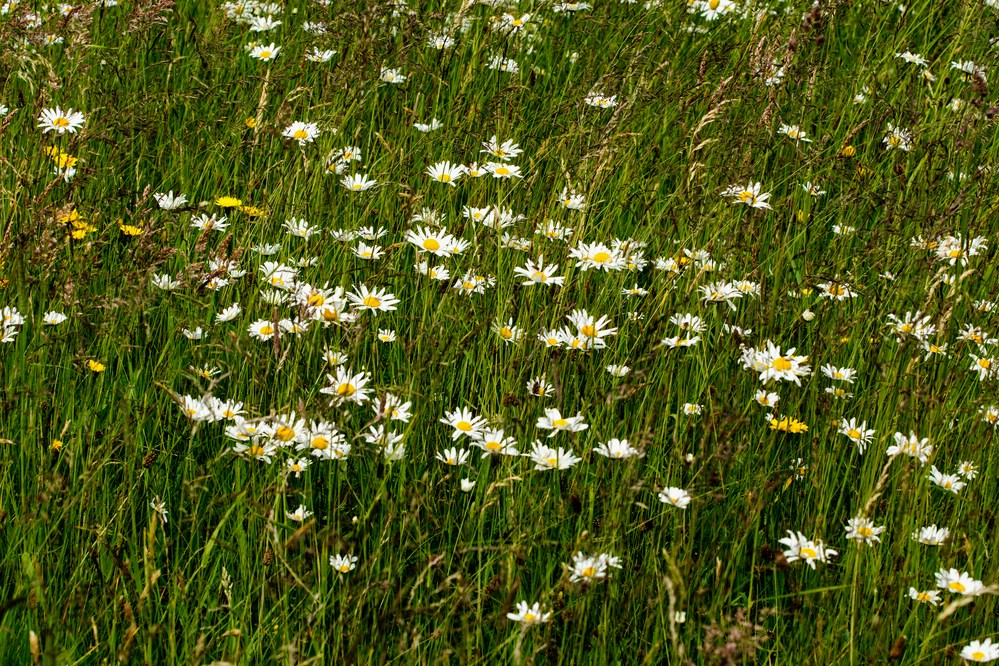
(90, 574)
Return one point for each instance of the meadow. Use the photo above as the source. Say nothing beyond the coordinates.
(623, 332)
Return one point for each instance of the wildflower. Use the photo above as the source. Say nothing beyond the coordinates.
(445, 172)
(60, 121)
(505, 151)
(528, 615)
(358, 182)
(538, 273)
(618, 449)
(464, 422)
(299, 515)
(95, 366)
(592, 567)
(675, 497)
(981, 651)
(800, 548)
(373, 300)
(959, 582)
(346, 387)
(540, 388)
(857, 433)
(618, 370)
(931, 536)
(749, 194)
(912, 446)
(503, 171)
(265, 53)
(554, 421)
(795, 133)
(862, 530)
(302, 132)
(494, 442)
(546, 458)
(690, 409)
(788, 424)
(343, 563)
(949, 482)
(452, 456)
(931, 597)
(389, 75)
(159, 506)
(53, 318)
(897, 138)
(507, 332)
(467, 485)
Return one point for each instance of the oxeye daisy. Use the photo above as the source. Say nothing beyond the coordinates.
(59, 121)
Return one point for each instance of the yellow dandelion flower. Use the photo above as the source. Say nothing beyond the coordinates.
(129, 229)
(228, 202)
(95, 366)
(251, 122)
(57, 445)
(788, 424)
(253, 211)
(848, 151)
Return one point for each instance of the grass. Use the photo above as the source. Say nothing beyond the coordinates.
(92, 573)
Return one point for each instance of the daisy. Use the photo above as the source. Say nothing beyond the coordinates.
(862, 530)
(343, 563)
(546, 458)
(800, 548)
(60, 121)
(301, 132)
(504, 171)
(494, 442)
(452, 456)
(618, 449)
(554, 421)
(958, 582)
(464, 422)
(538, 273)
(931, 535)
(373, 300)
(980, 651)
(677, 497)
(265, 53)
(445, 172)
(858, 433)
(528, 615)
(358, 182)
(346, 387)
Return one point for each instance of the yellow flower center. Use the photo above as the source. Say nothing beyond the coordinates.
(266, 330)
(588, 331)
(552, 461)
(61, 121)
(301, 134)
(978, 655)
(506, 333)
(601, 257)
(985, 363)
(256, 450)
(345, 389)
(809, 553)
(503, 171)
(588, 572)
(956, 586)
(316, 299)
(431, 244)
(531, 617)
(560, 423)
(853, 433)
(284, 433)
(263, 56)
(444, 178)
(493, 446)
(463, 426)
(372, 302)
(781, 364)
